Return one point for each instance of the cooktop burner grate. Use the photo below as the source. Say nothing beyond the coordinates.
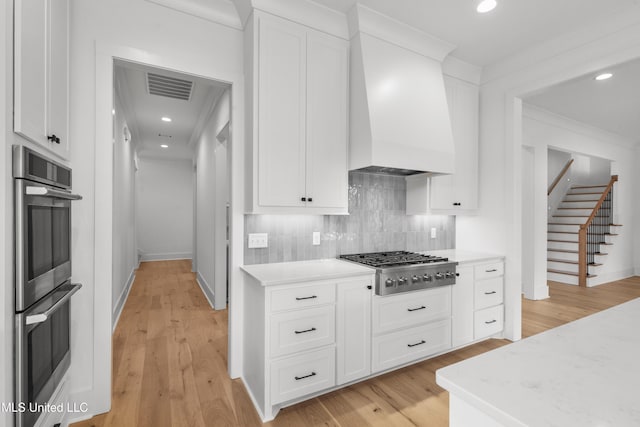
(392, 259)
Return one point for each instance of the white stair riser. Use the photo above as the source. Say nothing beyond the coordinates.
(568, 220)
(562, 266)
(578, 212)
(578, 196)
(562, 278)
(598, 189)
(561, 236)
(555, 227)
(562, 245)
(562, 255)
(578, 205)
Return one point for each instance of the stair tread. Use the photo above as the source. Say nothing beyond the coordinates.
(562, 241)
(568, 261)
(571, 216)
(569, 251)
(563, 223)
(581, 194)
(580, 201)
(589, 186)
(575, 232)
(568, 273)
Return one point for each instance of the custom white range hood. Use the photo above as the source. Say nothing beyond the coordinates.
(399, 117)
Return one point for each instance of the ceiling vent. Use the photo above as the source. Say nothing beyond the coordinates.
(169, 87)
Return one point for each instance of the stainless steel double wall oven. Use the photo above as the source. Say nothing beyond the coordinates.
(43, 288)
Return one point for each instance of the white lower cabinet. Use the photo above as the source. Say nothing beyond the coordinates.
(353, 330)
(410, 326)
(478, 301)
(302, 330)
(403, 346)
(296, 376)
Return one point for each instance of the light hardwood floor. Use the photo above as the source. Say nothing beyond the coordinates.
(170, 349)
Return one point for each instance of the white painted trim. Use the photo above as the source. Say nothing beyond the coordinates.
(364, 20)
(122, 299)
(222, 12)
(206, 290)
(99, 396)
(545, 116)
(307, 13)
(262, 416)
(601, 279)
(168, 256)
(462, 70)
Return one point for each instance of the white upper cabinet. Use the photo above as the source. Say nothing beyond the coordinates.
(456, 193)
(281, 113)
(299, 128)
(459, 192)
(41, 66)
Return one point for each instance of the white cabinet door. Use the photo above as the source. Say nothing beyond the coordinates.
(327, 128)
(41, 54)
(353, 324)
(58, 81)
(462, 307)
(459, 192)
(281, 113)
(30, 69)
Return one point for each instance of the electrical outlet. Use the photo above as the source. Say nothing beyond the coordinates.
(316, 238)
(433, 232)
(258, 240)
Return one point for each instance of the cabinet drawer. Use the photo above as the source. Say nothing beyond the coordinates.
(488, 321)
(303, 296)
(410, 309)
(404, 346)
(297, 376)
(488, 293)
(489, 270)
(302, 330)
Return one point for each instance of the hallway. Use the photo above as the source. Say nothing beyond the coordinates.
(169, 357)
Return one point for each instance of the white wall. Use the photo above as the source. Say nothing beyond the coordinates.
(209, 152)
(164, 209)
(589, 170)
(145, 32)
(6, 242)
(594, 150)
(557, 161)
(125, 257)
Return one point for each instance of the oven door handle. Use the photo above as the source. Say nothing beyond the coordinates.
(49, 192)
(42, 317)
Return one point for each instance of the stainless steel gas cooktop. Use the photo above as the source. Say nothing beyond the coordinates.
(402, 271)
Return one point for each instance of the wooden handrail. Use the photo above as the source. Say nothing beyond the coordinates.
(559, 177)
(582, 234)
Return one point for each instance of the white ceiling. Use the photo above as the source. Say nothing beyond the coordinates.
(143, 112)
(612, 105)
(484, 39)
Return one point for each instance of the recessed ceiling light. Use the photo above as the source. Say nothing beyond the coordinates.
(164, 146)
(485, 6)
(166, 119)
(604, 76)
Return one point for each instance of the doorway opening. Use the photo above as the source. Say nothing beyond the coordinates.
(171, 176)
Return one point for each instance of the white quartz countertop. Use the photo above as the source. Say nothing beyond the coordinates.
(281, 273)
(463, 256)
(585, 373)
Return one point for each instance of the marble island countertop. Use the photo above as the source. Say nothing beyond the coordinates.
(585, 373)
(281, 273)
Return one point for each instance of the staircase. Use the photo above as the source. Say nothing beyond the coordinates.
(576, 209)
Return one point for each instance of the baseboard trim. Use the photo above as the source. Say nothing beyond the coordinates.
(601, 279)
(124, 295)
(171, 256)
(208, 294)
